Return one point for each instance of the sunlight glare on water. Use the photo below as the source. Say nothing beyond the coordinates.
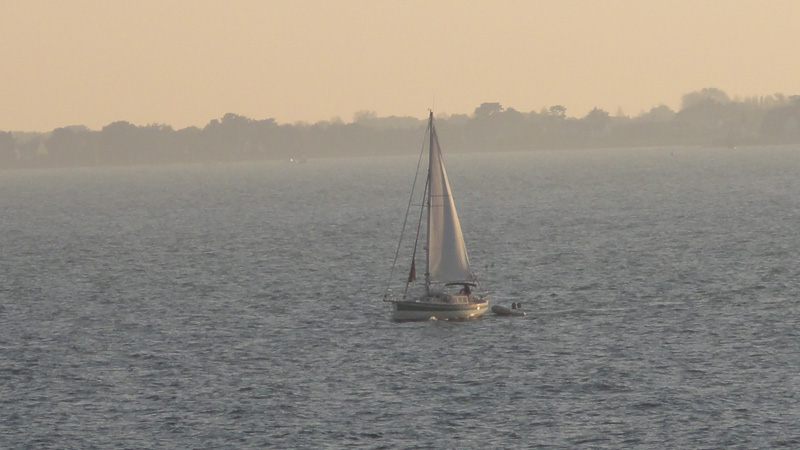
(239, 306)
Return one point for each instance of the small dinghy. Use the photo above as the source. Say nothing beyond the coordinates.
(505, 311)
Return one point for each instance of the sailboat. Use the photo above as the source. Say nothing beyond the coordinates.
(446, 291)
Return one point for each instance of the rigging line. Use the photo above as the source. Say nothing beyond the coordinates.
(416, 238)
(408, 209)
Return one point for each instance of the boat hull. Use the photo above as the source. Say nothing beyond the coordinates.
(418, 310)
(504, 311)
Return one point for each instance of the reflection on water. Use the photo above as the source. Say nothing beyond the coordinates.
(219, 306)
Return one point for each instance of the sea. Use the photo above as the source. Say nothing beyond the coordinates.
(239, 306)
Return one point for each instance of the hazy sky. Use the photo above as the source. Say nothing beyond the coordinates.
(185, 62)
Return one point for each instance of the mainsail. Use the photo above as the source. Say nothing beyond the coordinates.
(447, 254)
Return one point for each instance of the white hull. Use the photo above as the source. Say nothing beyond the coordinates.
(504, 311)
(421, 310)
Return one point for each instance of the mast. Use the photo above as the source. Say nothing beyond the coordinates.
(428, 226)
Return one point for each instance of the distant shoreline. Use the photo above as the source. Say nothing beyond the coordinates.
(708, 118)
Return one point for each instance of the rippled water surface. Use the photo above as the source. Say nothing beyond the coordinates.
(239, 306)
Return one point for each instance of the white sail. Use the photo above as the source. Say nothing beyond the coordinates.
(447, 254)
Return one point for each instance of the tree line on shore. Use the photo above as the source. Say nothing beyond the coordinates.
(708, 117)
